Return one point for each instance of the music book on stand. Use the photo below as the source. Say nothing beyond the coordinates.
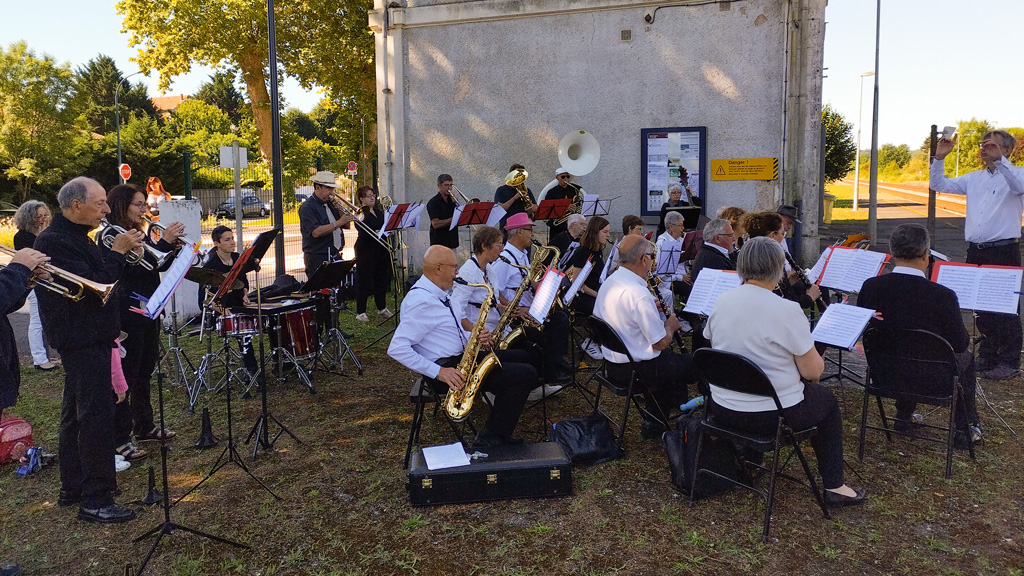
(552, 209)
(981, 288)
(846, 269)
(545, 295)
(169, 283)
(578, 282)
(710, 284)
(477, 214)
(841, 325)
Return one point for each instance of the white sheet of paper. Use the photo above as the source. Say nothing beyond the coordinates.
(446, 456)
(578, 282)
(814, 274)
(455, 216)
(963, 281)
(497, 213)
(412, 216)
(983, 288)
(170, 280)
(841, 325)
(709, 285)
(545, 295)
(939, 255)
(848, 268)
(611, 263)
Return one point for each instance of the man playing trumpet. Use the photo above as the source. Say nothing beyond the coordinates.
(320, 222)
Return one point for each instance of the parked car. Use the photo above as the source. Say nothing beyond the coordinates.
(251, 206)
(7, 209)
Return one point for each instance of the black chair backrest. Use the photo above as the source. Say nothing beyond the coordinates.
(732, 372)
(910, 362)
(607, 337)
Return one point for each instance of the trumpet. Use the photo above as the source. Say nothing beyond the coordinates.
(346, 207)
(517, 179)
(110, 231)
(161, 228)
(65, 283)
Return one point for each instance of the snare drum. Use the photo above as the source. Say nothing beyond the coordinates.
(237, 325)
(298, 332)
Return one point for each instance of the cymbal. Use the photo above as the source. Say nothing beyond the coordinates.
(207, 277)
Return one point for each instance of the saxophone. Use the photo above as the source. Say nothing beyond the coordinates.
(535, 273)
(459, 402)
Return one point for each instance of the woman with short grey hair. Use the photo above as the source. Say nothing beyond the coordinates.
(773, 333)
(32, 218)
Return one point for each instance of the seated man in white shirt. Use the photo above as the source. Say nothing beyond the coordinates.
(670, 245)
(626, 304)
(430, 341)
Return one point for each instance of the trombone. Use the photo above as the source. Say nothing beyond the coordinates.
(65, 283)
(465, 199)
(109, 231)
(349, 208)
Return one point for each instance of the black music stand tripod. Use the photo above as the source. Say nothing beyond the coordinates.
(168, 527)
(329, 275)
(246, 262)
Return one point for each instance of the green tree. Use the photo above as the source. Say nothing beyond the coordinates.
(221, 92)
(324, 43)
(192, 116)
(892, 157)
(840, 150)
(964, 157)
(302, 123)
(96, 85)
(39, 139)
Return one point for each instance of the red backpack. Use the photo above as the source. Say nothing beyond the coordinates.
(15, 439)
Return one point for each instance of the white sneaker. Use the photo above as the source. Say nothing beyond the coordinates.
(542, 391)
(120, 464)
(385, 313)
(592, 349)
(363, 317)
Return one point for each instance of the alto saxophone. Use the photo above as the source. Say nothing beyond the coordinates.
(459, 402)
(534, 274)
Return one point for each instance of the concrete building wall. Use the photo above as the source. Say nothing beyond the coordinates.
(476, 86)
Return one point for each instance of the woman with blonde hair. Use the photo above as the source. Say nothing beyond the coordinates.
(32, 218)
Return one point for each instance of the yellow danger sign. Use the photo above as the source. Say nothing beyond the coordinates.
(745, 169)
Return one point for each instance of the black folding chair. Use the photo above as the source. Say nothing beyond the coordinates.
(606, 337)
(917, 366)
(735, 373)
(420, 396)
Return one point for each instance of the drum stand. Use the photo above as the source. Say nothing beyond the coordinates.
(232, 369)
(333, 349)
(261, 429)
(167, 526)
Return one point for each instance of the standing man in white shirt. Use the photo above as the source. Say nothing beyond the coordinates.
(625, 303)
(995, 203)
(429, 340)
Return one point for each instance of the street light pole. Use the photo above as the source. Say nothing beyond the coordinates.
(117, 123)
(856, 168)
(873, 186)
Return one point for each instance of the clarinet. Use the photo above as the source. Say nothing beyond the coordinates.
(802, 275)
(652, 284)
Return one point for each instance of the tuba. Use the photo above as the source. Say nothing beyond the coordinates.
(535, 273)
(517, 179)
(459, 402)
(578, 153)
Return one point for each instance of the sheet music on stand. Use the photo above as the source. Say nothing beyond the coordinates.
(709, 285)
(814, 274)
(610, 263)
(169, 282)
(400, 216)
(841, 325)
(594, 206)
(552, 209)
(981, 288)
(476, 214)
(846, 269)
(578, 282)
(545, 295)
(668, 256)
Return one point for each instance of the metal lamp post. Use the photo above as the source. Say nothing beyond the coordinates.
(873, 178)
(117, 123)
(856, 168)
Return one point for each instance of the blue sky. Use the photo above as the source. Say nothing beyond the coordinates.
(941, 60)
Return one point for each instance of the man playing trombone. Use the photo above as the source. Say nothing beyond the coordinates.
(320, 222)
(83, 332)
(441, 210)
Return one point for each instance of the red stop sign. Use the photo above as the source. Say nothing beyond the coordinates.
(125, 171)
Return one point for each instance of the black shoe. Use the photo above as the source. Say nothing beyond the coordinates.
(486, 439)
(834, 500)
(513, 439)
(560, 377)
(1001, 372)
(651, 429)
(347, 335)
(984, 364)
(907, 426)
(10, 570)
(110, 514)
(68, 499)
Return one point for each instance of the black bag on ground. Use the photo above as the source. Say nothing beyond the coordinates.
(587, 439)
(718, 455)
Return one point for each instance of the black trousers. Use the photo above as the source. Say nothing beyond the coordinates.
(1003, 337)
(667, 375)
(966, 411)
(142, 348)
(553, 342)
(87, 426)
(511, 385)
(818, 408)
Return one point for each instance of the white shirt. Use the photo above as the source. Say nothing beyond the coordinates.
(768, 330)
(507, 278)
(625, 303)
(666, 243)
(428, 330)
(995, 200)
(466, 300)
(908, 271)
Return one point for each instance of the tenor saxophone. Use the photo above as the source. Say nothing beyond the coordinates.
(459, 402)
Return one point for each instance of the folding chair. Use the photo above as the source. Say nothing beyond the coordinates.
(606, 336)
(735, 373)
(917, 366)
(421, 395)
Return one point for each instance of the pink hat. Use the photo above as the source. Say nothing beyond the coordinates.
(520, 220)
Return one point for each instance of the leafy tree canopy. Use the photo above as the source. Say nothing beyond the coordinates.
(96, 86)
(840, 149)
(221, 92)
(891, 156)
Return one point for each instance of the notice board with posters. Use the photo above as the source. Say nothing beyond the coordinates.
(666, 154)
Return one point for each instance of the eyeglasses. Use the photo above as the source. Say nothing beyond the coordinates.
(985, 145)
(566, 176)
(729, 234)
(138, 204)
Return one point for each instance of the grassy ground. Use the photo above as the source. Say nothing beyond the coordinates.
(345, 510)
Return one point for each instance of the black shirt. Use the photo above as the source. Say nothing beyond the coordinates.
(312, 215)
(13, 282)
(442, 209)
(559, 193)
(23, 239)
(503, 194)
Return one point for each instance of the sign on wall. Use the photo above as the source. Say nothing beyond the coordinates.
(745, 169)
(665, 155)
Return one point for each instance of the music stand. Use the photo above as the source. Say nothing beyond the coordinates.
(552, 209)
(329, 275)
(249, 261)
(593, 206)
(475, 214)
(402, 216)
(690, 214)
